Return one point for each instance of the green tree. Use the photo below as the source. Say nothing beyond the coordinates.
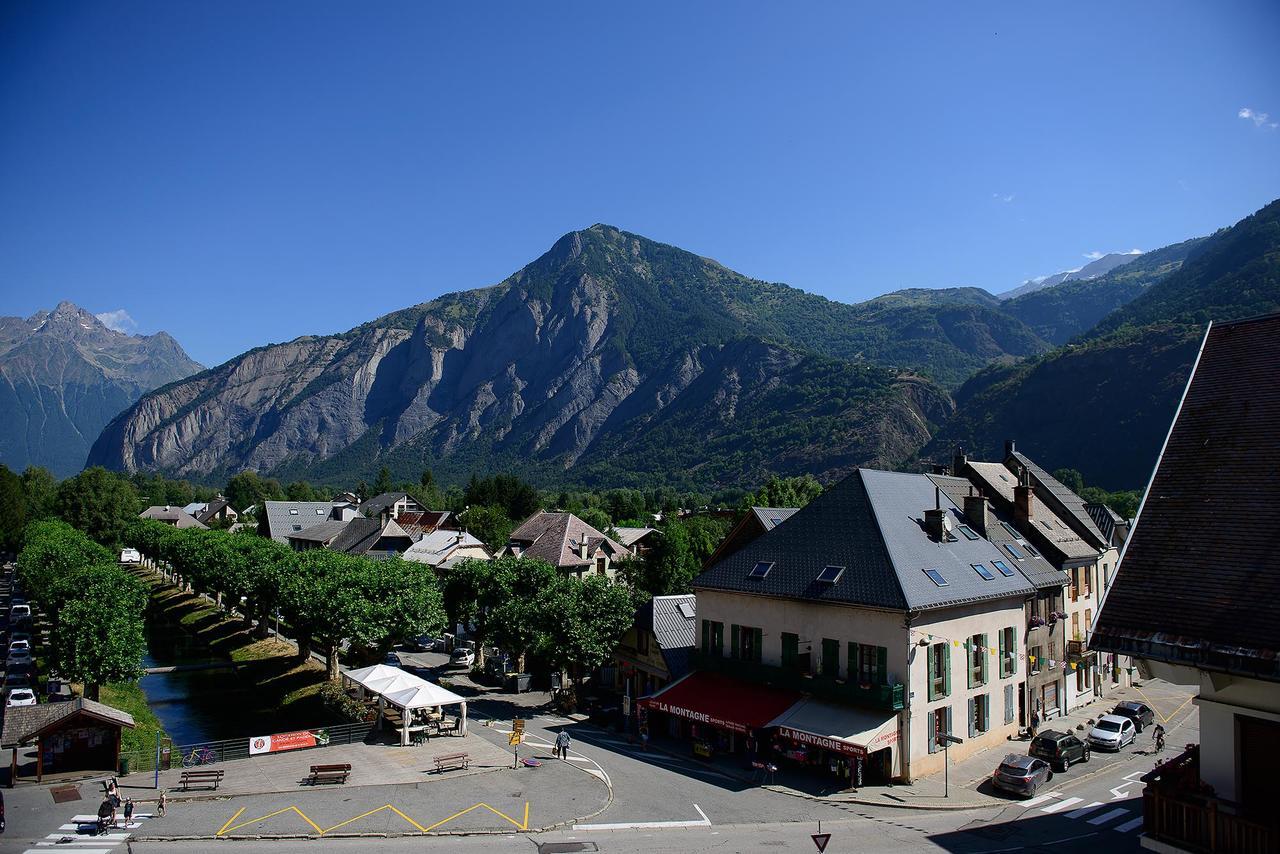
(1071, 479)
(300, 490)
(705, 535)
(98, 637)
(514, 597)
(597, 518)
(270, 564)
(584, 621)
(383, 483)
(247, 489)
(41, 491)
(518, 499)
(489, 523)
(669, 567)
(403, 601)
(13, 510)
(785, 492)
(98, 502)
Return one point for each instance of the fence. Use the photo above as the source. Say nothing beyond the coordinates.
(229, 749)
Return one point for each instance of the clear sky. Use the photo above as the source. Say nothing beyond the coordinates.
(239, 173)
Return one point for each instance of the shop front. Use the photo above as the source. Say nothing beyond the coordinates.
(851, 746)
(714, 713)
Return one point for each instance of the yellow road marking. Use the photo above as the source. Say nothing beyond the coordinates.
(1152, 703)
(228, 824)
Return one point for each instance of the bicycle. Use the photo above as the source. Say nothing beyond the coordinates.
(199, 756)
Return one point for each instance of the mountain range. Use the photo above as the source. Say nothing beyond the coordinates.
(64, 375)
(1097, 267)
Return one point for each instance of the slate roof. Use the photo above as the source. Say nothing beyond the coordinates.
(1050, 530)
(674, 633)
(1106, 519)
(437, 547)
(323, 533)
(1073, 504)
(378, 503)
(23, 723)
(772, 517)
(1042, 574)
(210, 510)
(555, 538)
(360, 535)
(282, 520)
(170, 515)
(1199, 579)
(629, 536)
(871, 524)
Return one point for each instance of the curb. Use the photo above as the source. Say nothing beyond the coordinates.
(867, 802)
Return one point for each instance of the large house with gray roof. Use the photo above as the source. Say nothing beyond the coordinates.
(879, 602)
(567, 543)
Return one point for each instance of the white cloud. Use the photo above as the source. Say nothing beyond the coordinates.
(119, 320)
(1258, 119)
(1003, 197)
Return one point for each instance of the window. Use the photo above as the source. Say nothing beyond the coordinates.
(293, 511)
(760, 570)
(1008, 652)
(979, 715)
(1010, 703)
(1013, 532)
(745, 641)
(1088, 621)
(1014, 551)
(1031, 550)
(1035, 659)
(642, 641)
(968, 532)
(831, 658)
(790, 650)
(939, 723)
(830, 574)
(870, 661)
(976, 649)
(319, 512)
(1002, 568)
(1088, 580)
(936, 577)
(983, 571)
(939, 670)
(712, 638)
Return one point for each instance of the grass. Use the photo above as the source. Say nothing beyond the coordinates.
(128, 697)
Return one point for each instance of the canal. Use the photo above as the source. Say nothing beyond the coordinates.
(197, 705)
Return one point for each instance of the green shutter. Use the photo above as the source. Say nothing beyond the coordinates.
(758, 646)
(831, 658)
(882, 665)
(1013, 653)
(706, 637)
(946, 674)
(853, 662)
(734, 647)
(790, 649)
(986, 658)
(1001, 654)
(933, 652)
(972, 729)
(968, 660)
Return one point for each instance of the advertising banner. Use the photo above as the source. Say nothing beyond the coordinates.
(282, 741)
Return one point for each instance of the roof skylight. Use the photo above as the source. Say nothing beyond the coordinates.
(936, 577)
(1013, 532)
(1002, 568)
(1032, 549)
(983, 571)
(686, 610)
(760, 570)
(830, 574)
(1015, 551)
(968, 532)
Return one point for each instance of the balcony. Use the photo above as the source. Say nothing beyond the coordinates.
(887, 697)
(1178, 811)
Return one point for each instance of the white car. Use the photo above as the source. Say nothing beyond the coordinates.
(19, 612)
(463, 657)
(21, 697)
(19, 645)
(130, 556)
(1112, 732)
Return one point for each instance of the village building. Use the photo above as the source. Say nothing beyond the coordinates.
(639, 541)
(75, 735)
(442, 548)
(567, 543)
(657, 647)
(1194, 598)
(175, 516)
(756, 521)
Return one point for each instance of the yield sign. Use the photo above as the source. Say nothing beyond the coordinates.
(821, 840)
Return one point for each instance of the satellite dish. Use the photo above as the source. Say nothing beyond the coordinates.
(946, 524)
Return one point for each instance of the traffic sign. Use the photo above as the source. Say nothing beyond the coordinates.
(820, 840)
(517, 724)
(516, 738)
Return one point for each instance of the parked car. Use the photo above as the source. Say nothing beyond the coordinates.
(19, 612)
(1022, 775)
(391, 660)
(1113, 732)
(19, 645)
(16, 680)
(21, 697)
(19, 658)
(424, 643)
(1059, 749)
(1141, 714)
(130, 556)
(463, 657)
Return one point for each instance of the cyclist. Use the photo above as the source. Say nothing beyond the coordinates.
(1158, 735)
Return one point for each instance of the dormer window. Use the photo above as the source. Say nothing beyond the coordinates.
(830, 574)
(760, 570)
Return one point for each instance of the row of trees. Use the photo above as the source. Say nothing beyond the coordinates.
(96, 607)
(329, 599)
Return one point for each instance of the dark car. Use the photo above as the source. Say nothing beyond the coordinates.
(1059, 749)
(1140, 713)
(1022, 775)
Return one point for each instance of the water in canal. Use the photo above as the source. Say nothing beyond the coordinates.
(197, 705)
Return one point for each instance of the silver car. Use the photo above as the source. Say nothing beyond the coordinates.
(1021, 775)
(1112, 732)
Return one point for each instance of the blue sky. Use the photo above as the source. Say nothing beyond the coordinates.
(243, 173)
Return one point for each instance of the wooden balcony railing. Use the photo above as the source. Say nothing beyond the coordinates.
(1178, 810)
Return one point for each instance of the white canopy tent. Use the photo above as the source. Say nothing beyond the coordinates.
(405, 691)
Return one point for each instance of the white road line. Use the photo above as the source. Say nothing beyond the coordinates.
(1132, 824)
(1047, 796)
(106, 837)
(81, 850)
(1084, 809)
(1107, 816)
(1062, 805)
(642, 825)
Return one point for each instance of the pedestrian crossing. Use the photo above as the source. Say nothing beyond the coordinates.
(77, 834)
(1095, 813)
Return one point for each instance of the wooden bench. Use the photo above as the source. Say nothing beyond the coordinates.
(452, 760)
(330, 773)
(210, 779)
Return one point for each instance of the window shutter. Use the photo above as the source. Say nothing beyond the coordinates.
(706, 637)
(968, 660)
(986, 659)
(986, 711)
(949, 730)
(735, 647)
(1013, 653)
(946, 678)
(933, 732)
(882, 664)
(932, 665)
(758, 651)
(1008, 704)
(855, 663)
(972, 729)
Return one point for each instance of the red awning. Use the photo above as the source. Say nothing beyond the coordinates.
(722, 701)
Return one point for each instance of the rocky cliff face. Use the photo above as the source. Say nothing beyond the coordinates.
(610, 359)
(64, 375)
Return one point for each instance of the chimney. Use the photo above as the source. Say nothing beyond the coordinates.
(1022, 501)
(935, 519)
(958, 464)
(582, 548)
(1009, 448)
(975, 512)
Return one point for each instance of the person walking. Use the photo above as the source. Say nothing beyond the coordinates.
(128, 811)
(164, 797)
(562, 745)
